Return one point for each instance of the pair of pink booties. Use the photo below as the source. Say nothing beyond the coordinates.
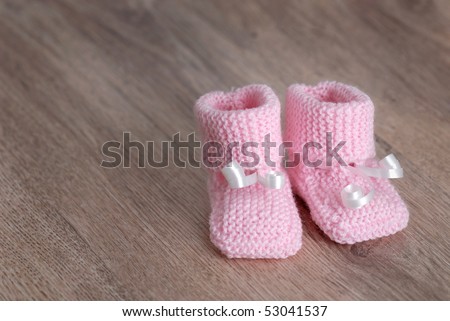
(259, 221)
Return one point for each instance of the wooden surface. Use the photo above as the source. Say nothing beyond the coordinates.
(75, 74)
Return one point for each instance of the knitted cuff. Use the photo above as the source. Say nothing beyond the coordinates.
(245, 115)
(344, 111)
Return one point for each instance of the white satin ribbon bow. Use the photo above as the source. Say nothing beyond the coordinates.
(236, 178)
(352, 195)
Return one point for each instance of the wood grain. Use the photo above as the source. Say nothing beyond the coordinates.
(75, 74)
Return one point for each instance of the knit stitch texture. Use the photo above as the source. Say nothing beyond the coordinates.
(347, 113)
(254, 221)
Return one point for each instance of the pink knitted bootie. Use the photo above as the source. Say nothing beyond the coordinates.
(350, 203)
(253, 209)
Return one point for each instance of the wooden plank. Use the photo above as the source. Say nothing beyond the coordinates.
(77, 74)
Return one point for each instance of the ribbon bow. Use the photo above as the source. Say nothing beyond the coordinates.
(352, 195)
(236, 178)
